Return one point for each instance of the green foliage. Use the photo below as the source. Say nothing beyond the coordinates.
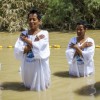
(57, 14)
(13, 13)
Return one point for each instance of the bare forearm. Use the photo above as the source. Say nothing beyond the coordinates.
(77, 48)
(29, 43)
(79, 51)
(27, 49)
(25, 39)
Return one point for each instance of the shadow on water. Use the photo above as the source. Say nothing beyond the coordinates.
(15, 86)
(93, 89)
(97, 86)
(63, 74)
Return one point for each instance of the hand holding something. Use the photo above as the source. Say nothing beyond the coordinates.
(39, 37)
(86, 44)
(23, 38)
(72, 45)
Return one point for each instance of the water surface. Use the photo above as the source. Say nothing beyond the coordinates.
(63, 87)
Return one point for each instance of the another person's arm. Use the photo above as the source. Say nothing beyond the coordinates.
(79, 49)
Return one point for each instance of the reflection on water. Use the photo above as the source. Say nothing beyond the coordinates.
(0, 86)
(0, 91)
(78, 88)
(91, 83)
(44, 96)
(89, 89)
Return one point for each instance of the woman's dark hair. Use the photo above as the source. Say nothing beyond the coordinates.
(82, 23)
(35, 11)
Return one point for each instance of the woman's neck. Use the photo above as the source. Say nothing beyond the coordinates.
(81, 39)
(34, 31)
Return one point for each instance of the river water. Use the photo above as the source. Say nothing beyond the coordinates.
(63, 87)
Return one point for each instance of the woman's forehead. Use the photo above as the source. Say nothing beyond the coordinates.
(79, 27)
(33, 15)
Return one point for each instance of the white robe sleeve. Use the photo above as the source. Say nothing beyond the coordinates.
(41, 48)
(19, 49)
(70, 51)
(88, 52)
(73, 69)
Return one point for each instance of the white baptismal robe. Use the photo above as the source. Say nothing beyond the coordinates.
(84, 65)
(35, 69)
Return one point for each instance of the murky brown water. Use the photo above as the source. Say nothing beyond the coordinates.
(63, 87)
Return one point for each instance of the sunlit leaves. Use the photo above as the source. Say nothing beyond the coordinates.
(57, 14)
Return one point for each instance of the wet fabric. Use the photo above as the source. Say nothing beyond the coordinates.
(81, 66)
(35, 69)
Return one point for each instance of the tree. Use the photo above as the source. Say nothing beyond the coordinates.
(57, 14)
(13, 13)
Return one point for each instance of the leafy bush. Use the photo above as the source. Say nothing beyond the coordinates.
(57, 14)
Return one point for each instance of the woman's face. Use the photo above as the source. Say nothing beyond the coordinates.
(80, 30)
(33, 21)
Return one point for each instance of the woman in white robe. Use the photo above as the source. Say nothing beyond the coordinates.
(80, 53)
(32, 49)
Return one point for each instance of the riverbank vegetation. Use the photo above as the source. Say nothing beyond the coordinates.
(57, 14)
